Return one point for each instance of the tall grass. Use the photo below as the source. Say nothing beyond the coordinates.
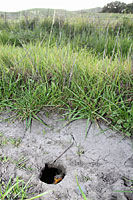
(80, 67)
(82, 85)
(99, 36)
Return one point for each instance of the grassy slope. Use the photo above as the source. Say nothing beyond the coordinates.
(37, 12)
(91, 10)
(47, 11)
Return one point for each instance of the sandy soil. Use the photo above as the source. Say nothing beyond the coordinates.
(102, 161)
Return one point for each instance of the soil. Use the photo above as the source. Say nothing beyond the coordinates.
(102, 161)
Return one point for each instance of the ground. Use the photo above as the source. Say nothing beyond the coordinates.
(101, 160)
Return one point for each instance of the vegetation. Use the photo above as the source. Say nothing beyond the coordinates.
(45, 12)
(101, 36)
(80, 67)
(18, 190)
(118, 7)
(80, 189)
(129, 8)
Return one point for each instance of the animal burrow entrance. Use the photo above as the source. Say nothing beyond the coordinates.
(52, 174)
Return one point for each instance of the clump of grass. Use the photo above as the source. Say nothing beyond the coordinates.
(18, 190)
(78, 66)
(78, 83)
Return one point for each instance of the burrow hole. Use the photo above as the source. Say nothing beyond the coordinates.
(52, 174)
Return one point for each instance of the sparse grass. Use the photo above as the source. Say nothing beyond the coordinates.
(130, 182)
(6, 140)
(81, 191)
(4, 159)
(22, 163)
(17, 190)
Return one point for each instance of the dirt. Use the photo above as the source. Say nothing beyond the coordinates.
(102, 161)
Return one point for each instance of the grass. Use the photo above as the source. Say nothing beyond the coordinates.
(85, 198)
(81, 191)
(80, 67)
(9, 140)
(78, 84)
(102, 34)
(18, 190)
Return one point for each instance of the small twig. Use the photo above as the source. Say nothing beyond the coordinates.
(74, 139)
(64, 151)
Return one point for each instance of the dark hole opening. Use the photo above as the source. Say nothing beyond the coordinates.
(51, 174)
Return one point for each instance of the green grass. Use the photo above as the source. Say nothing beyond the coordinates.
(102, 34)
(80, 84)
(80, 67)
(82, 193)
(18, 190)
